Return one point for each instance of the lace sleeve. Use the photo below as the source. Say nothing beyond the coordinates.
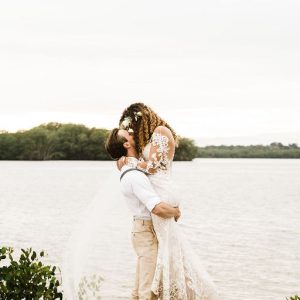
(162, 148)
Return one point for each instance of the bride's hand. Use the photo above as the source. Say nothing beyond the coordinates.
(142, 165)
(121, 162)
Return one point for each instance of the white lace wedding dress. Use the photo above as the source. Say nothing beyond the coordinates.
(179, 274)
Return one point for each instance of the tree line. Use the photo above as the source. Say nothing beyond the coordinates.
(57, 141)
(274, 150)
(54, 141)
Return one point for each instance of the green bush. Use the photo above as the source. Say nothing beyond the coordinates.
(27, 278)
(187, 150)
(296, 297)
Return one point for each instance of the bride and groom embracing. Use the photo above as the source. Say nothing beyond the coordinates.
(167, 267)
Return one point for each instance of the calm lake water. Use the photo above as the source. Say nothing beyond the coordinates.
(242, 217)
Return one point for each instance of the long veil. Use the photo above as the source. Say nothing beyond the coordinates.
(98, 260)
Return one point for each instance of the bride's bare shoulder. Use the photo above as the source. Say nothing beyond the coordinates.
(163, 130)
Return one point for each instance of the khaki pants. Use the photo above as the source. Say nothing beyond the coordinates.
(145, 245)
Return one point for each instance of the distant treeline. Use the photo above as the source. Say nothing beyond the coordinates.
(56, 141)
(274, 150)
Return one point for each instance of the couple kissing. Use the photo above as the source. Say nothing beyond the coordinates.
(167, 268)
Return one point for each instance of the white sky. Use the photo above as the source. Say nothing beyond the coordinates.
(212, 69)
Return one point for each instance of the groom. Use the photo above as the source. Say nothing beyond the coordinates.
(142, 200)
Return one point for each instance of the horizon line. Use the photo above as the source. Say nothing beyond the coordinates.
(195, 139)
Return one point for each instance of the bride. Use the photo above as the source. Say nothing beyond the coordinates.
(179, 274)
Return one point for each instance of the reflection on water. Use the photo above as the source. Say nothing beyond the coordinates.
(241, 215)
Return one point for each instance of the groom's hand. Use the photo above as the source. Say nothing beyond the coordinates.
(178, 214)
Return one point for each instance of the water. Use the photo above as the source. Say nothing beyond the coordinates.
(241, 215)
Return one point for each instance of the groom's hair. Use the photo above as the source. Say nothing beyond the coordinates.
(114, 144)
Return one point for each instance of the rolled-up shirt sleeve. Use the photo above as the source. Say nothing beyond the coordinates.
(142, 188)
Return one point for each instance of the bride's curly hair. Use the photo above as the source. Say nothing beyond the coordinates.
(143, 121)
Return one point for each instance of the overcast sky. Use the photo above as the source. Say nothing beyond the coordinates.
(215, 70)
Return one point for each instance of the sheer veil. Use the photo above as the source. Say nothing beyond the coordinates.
(98, 260)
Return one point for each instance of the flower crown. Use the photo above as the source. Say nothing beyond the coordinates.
(127, 121)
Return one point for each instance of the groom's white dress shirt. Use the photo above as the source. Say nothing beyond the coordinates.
(139, 194)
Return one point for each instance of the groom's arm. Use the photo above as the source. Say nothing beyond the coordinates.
(144, 191)
(165, 210)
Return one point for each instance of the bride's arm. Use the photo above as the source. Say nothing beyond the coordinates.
(162, 149)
